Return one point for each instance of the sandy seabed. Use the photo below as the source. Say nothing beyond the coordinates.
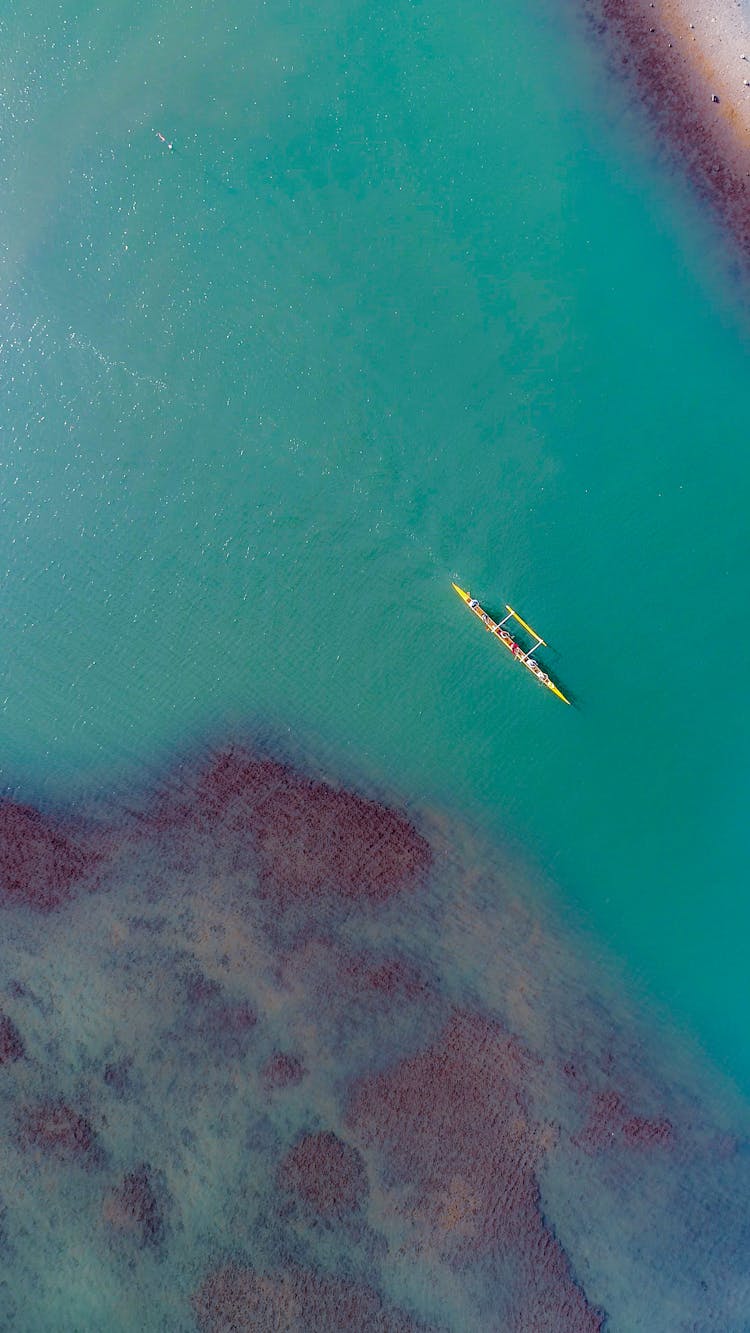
(275, 1054)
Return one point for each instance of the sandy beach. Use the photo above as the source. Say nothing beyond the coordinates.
(691, 67)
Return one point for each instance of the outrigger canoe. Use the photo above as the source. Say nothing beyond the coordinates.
(498, 629)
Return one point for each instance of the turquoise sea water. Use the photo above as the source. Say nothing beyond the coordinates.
(398, 307)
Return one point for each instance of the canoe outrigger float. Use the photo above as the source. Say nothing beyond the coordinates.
(498, 629)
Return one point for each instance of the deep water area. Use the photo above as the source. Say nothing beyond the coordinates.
(276, 1054)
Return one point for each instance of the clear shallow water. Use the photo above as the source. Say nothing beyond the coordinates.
(277, 1060)
(393, 311)
(407, 302)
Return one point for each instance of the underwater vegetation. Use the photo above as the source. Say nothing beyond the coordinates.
(276, 1054)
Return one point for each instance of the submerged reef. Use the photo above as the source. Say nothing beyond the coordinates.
(241, 1301)
(275, 1054)
(41, 863)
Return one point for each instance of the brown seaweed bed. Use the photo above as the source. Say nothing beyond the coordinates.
(279, 1055)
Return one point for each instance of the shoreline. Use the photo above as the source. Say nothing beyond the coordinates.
(692, 73)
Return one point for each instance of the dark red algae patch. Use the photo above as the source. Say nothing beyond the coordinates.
(459, 1141)
(283, 1071)
(58, 1131)
(313, 837)
(132, 1209)
(40, 863)
(611, 1123)
(11, 1043)
(396, 979)
(305, 836)
(237, 1299)
(117, 1076)
(677, 99)
(374, 988)
(218, 1021)
(325, 1174)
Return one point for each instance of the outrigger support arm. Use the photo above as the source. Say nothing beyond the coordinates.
(533, 650)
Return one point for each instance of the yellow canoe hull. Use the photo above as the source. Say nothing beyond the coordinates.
(508, 642)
